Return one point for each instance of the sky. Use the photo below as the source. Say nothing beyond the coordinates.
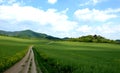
(62, 18)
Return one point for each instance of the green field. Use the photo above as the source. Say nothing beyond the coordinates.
(62, 56)
(11, 51)
(75, 57)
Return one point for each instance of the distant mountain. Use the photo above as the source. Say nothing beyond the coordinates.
(27, 34)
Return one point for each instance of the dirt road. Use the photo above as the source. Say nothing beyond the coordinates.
(26, 65)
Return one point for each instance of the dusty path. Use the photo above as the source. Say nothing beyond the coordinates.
(26, 65)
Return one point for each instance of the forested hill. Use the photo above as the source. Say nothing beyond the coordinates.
(118, 41)
(27, 34)
(92, 38)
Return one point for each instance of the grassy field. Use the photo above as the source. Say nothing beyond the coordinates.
(75, 57)
(62, 56)
(11, 51)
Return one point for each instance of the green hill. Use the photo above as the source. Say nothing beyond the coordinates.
(92, 38)
(32, 34)
(27, 34)
(118, 40)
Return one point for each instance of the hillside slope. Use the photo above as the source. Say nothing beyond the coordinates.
(27, 34)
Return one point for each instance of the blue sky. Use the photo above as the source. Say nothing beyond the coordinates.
(62, 18)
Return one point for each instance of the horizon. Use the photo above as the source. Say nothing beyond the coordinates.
(62, 18)
(55, 36)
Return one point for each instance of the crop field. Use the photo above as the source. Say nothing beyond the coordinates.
(75, 57)
(14, 49)
(62, 56)
(11, 51)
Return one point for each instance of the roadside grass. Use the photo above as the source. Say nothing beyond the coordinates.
(14, 49)
(11, 51)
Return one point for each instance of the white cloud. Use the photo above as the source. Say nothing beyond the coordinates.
(105, 29)
(108, 28)
(84, 29)
(11, 1)
(52, 1)
(109, 10)
(66, 10)
(54, 22)
(7, 1)
(96, 15)
(95, 1)
(91, 2)
(58, 20)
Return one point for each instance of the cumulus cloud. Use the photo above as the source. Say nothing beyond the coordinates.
(96, 15)
(54, 22)
(108, 28)
(52, 1)
(104, 29)
(84, 29)
(57, 20)
(91, 2)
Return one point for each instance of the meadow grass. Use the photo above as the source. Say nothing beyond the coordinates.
(76, 57)
(62, 56)
(11, 51)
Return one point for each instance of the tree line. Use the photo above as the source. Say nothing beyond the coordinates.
(92, 38)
